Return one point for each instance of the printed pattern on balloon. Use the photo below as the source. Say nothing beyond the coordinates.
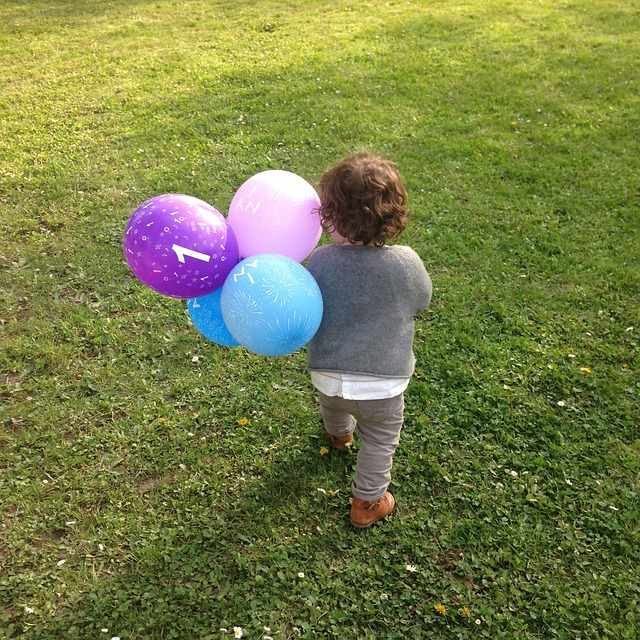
(271, 304)
(280, 286)
(244, 314)
(297, 328)
(206, 316)
(215, 323)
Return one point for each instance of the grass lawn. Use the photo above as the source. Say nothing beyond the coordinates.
(135, 500)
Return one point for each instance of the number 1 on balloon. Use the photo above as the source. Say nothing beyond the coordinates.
(181, 252)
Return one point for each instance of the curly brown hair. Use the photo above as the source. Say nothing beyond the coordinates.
(364, 200)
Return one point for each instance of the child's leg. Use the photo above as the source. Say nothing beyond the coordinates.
(337, 418)
(379, 425)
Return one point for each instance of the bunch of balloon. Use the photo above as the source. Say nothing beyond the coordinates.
(268, 302)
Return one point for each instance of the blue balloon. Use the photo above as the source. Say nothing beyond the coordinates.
(271, 304)
(206, 316)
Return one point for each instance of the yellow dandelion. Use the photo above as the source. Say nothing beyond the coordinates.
(243, 422)
(585, 369)
(440, 609)
(465, 612)
(324, 451)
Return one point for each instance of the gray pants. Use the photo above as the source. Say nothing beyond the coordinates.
(378, 423)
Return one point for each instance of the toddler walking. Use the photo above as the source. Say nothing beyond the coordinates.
(361, 359)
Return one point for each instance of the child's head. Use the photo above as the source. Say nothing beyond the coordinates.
(363, 200)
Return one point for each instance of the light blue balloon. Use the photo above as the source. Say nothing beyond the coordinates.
(206, 316)
(271, 304)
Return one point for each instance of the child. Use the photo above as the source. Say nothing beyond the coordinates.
(362, 358)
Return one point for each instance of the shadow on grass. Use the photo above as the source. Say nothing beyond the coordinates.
(78, 11)
(210, 574)
(443, 116)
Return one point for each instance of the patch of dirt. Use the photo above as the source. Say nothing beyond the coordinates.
(50, 537)
(11, 378)
(14, 424)
(11, 613)
(448, 560)
(468, 581)
(7, 519)
(154, 482)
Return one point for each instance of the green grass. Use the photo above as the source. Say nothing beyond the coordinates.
(516, 127)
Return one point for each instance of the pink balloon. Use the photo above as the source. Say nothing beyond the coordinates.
(276, 212)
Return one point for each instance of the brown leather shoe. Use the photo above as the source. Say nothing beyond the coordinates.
(364, 514)
(338, 442)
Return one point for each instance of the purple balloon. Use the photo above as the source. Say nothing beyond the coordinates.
(179, 245)
(276, 212)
